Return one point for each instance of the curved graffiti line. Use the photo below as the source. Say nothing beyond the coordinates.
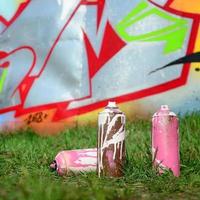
(61, 107)
(191, 58)
(22, 6)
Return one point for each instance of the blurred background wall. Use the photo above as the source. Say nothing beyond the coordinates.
(61, 61)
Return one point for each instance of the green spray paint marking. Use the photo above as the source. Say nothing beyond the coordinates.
(173, 34)
(3, 78)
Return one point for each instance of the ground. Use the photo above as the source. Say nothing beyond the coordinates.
(25, 174)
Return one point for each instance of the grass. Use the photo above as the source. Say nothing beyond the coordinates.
(25, 174)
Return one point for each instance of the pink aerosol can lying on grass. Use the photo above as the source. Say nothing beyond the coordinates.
(165, 141)
(74, 161)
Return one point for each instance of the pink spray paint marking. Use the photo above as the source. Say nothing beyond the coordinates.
(165, 141)
(82, 160)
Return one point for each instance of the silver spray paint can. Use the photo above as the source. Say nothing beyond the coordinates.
(111, 141)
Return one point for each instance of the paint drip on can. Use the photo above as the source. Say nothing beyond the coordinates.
(75, 161)
(165, 141)
(111, 141)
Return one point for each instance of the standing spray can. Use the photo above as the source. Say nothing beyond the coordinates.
(82, 160)
(111, 141)
(165, 141)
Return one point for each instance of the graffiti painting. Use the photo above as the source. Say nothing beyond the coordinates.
(61, 61)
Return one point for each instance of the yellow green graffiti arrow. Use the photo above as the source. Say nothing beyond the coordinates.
(173, 34)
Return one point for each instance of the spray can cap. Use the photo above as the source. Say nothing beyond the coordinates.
(111, 104)
(164, 110)
(164, 107)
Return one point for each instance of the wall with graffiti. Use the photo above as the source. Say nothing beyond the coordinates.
(61, 61)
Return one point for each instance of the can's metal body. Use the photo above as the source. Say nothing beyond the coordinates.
(165, 141)
(82, 160)
(111, 142)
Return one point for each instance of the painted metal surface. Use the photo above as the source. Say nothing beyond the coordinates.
(75, 161)
(165, 141)
(111, 141)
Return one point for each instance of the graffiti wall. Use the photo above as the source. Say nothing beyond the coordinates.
(61, 61)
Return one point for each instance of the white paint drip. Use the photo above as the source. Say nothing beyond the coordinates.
(121, 150)
(160, 165)
(153, 153)
(101, 154)
(123, 120)
(118, 137)
(98, 146)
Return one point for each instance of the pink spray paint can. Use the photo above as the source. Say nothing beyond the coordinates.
(165, 141)
(82, 160)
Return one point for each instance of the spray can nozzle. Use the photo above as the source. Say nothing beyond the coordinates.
(164, 107)
(111, 104)
(53, 165)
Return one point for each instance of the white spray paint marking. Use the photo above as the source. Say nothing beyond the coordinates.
(153, 153)
(92, 154)
(116, 139)
(101, 153)
(83, 169)
(121, 149)
(98, 156)
(160, 165)
(86, 161)
(158, 162)
(102, 119)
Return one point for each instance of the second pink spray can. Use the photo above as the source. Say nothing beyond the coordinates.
(76, 161)
(165, 141)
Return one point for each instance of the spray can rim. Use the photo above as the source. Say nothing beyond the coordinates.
(53, 165)
(162, 111)
(111, 104)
